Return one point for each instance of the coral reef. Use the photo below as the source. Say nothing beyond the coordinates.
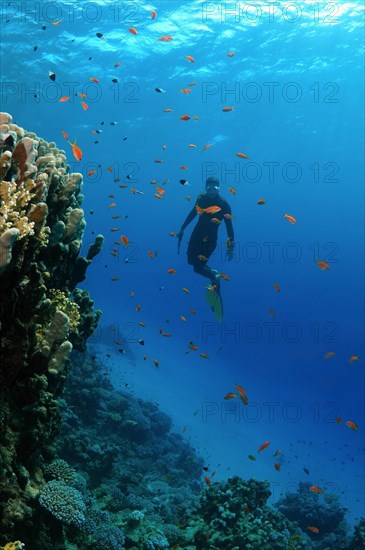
(234, 515)
(83, 465)
(42, 314)
(143, 476)
(323, 511)
(358, 540)
(64, 502)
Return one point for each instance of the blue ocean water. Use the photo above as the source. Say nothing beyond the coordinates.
(295, 83)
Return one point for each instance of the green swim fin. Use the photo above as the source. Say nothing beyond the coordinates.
(214, 300)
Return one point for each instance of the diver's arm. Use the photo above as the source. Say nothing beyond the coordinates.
(229, 228)
(189, 218)
(230, 239)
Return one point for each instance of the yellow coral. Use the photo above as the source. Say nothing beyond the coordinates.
(14, 200)
(67, 306)
(17, 545)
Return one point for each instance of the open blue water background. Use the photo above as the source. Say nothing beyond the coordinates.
(297, 77)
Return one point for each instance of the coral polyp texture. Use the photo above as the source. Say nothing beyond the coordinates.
(43, 316)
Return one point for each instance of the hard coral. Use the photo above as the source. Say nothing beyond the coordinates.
(17, 545)
(64, 502)
(41, 227)
(61, 471)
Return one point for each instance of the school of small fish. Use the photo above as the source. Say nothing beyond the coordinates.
(160, 192)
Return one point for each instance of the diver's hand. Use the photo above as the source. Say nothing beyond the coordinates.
(230, 250)
(230, 254)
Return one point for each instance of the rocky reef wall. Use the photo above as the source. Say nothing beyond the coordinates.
(43, 316)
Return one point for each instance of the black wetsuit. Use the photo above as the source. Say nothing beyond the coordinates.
(203, 240)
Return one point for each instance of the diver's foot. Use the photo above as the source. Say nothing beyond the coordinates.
(216, 280)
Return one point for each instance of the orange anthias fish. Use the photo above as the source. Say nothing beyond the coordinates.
(185, 91)
(124, 240)
(352, 425)
(216, 220)
(276, 286)
(153, 14)
(230, 395)
(290, 218)
(207, 146)
(207, 480)
(132, 30)
(263, 446)
(190, 58)
(230, 54)
(328, 354)
(64, 98)
(84, 106)
(240, 389)
(322, 265)
(242, 155)
(353, 358)
(65, 134)
(313, 529)
(277, 466)
(171, 271)
(210, 210)
(227, 109)
(185, 117)
(232, 190)
(165, 38)
(316, 489)
(76, 151)
(261, 201)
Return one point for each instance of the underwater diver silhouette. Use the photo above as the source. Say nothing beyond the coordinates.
(203, 240)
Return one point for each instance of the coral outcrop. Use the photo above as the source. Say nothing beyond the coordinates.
(323, 511)
(42, 313)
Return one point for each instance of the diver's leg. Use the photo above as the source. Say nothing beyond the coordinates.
(203, 269)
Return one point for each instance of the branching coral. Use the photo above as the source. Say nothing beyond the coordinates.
(63, 303)
(14, 202)
(17, 545)
(64, 502)
(61, 471)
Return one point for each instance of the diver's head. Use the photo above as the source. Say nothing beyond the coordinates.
(212, 187)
